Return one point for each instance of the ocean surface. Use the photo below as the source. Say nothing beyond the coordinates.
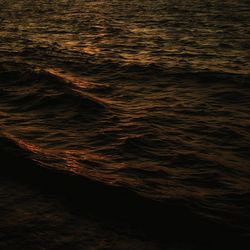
(150, 96)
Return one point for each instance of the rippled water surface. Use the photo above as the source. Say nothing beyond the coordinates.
(152, 96)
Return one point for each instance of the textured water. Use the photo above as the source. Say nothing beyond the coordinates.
(152, 96)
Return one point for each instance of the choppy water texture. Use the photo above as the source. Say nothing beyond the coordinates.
(152, 96)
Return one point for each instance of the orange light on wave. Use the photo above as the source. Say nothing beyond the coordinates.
(72, 79)
(24, 145)
(78, 84)
(81, 162)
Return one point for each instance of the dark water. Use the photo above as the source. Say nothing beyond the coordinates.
(152, 96)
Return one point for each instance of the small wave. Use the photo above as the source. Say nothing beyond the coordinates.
(231, 97)
(157, 72)
(41, 89)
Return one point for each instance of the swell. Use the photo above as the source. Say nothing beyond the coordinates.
(50, 55)
(18, 162)
(34, 89)
(108, 70)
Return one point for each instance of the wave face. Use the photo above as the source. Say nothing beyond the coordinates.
(151, 97)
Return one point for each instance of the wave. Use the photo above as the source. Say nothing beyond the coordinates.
(42, 166)
(41, 89)
(115, 70)
(151, 215)
(148, 72)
